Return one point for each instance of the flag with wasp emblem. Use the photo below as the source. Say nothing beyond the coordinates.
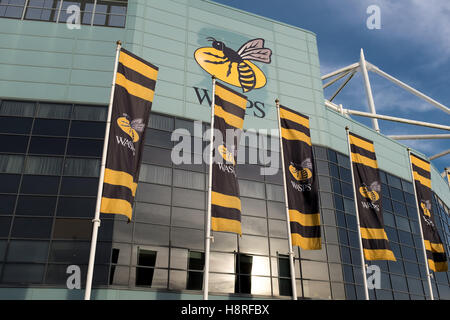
(133, 95)
(229, 113)
(368, 199)
(301, 182)
(435, 251)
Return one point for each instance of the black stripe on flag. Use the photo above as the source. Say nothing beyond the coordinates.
(435, 250)
(229, 113)
(301, 180)
(133, 96)
(368, 199)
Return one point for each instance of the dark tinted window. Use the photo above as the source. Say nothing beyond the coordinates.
(16, 144)
(72, 229)
(76, 207)
(32, 228)
(15, 125)
(7, 203)
(146, 262)
(83, 147)
(39, 184)
(36, 206)
(48, 127)
(40, 145)
(5, 224)
(9, 183)
(79, 186)
(87, 129)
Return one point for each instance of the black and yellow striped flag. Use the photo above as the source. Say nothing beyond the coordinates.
(437, 259)
(229, 113)
(133, 96)
(301, 182)
(368, 198)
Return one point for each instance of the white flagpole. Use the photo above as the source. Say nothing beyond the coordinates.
(208, 237)
(420, 227)
(96, 221)
(363, 263)
(288, 225)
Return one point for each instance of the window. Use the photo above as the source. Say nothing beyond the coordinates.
(53, 110)
(76, 207)
(32, 228)
(7, 203)
(82, 167)
(85, 147)
(145, 268)
(41, 10)
(195, 267)
(27, 251)
(72, 229)
(36, 206)
(14, 144)
(39, 145)
(90, 113)
(39, 185)
(243, 282)
(79, 186)
(15, 125)
(11, 163)
(93, 12)
(50, 127)
(43, 165)
(16, 108)
(284, 274)
(87, 129)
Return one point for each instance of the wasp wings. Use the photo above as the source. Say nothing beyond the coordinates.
(138, 125)
(254, 50)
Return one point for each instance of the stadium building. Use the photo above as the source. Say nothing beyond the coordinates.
(55, 82)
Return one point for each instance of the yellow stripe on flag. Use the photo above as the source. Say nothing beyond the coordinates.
(227, 225)
(356, 157)
(306, 243)
(373, 233)
(420, 163)
(120, 178)
(116, 206)
(292, 134)
(135, 89)
(361, 143)
(138, 66)
(226, 201)
(286, 114)
(438, 266)
(231, 97)
(434, 247)
(426, 182)
(379, 254)
(308, 220)
(229, 118)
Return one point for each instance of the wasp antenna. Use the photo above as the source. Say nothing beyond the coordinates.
(210, 39)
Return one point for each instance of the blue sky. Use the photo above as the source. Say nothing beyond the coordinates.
(412, 45)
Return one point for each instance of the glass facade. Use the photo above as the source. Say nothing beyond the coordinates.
(110, 13)
(49, 167)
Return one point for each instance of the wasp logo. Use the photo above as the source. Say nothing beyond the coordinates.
(302, 172)
(131, 128)
(426, 206)
(227, 155)
(234, 67)
(371, 192)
